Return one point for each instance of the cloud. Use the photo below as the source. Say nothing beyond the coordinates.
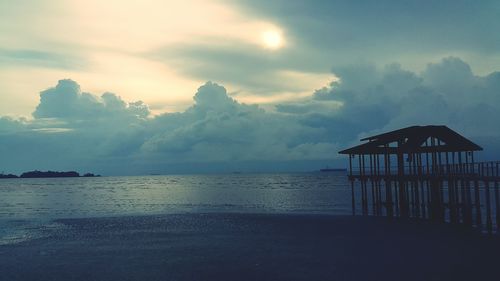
(247, 66)
(15, 57)
(213, 97)
(322, 34)
(217, 128)
(380, 99)
(105, 134)
(67, 102)
(10, 125)
(71, 128)
(339, 31)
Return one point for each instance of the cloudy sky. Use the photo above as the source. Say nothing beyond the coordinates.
(155, 86)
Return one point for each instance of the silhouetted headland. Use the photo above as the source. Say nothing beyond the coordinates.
(8, 176)
(48, 174)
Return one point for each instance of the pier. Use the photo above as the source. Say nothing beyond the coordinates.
(426, 172)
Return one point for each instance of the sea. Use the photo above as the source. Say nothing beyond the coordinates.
(29, 208)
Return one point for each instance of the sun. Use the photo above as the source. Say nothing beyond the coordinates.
(272, 39)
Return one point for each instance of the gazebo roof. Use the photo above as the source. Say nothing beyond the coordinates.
(414, 140)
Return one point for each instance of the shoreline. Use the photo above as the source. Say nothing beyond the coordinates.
(238, 246)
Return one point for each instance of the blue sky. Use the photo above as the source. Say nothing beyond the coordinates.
(128, 87)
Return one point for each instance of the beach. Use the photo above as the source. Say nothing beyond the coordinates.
(237, 246)
(218, 140)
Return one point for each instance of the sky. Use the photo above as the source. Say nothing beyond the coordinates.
(152, 86)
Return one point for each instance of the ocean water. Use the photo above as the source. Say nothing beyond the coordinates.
(29, 206)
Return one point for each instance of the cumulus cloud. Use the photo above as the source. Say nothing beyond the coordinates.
(71, 129)
(66, 101)
(217, 128)
(379, 99)
(74, 128)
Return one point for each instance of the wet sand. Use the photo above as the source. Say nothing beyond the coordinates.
(252, 247)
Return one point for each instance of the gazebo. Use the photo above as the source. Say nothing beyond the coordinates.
(422, 171)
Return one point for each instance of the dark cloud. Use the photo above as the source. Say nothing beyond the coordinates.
(321, 34)
(248, 66)
(75, 130)
(343, 31)
(382, 99)
(41, 58)
(391, 25)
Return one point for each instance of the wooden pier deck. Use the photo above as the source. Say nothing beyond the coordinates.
(434, 177)
(466, 193)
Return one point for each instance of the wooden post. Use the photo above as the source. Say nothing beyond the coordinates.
(372, 166)
(353, 196)
(363, 186)
(468, 189)
(401, 184)
(489, 225)
(497, 205)
(440, 183)
(465, 192)
(451, 189)
(497, 200)
(435, 189)
(477, 202)
(415, 183)
(378, 186)
(353, 202)
(460, 194)
(396, 198)
(388, 184)
(422, 186)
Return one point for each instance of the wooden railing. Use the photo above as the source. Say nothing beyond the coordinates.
(479, 169)
(467, 193)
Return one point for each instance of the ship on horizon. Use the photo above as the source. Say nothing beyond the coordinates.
(328, 169)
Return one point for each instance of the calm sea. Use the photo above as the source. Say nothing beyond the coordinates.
(28, 206)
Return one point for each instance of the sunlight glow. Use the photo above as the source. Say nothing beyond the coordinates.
(272, 39)
(127, 47)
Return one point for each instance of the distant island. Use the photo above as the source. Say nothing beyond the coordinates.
(48, 174)
(8, 176)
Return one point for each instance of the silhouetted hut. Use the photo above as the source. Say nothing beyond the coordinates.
(423, 171)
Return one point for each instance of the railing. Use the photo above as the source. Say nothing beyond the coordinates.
(478, 169)
(467, 193)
